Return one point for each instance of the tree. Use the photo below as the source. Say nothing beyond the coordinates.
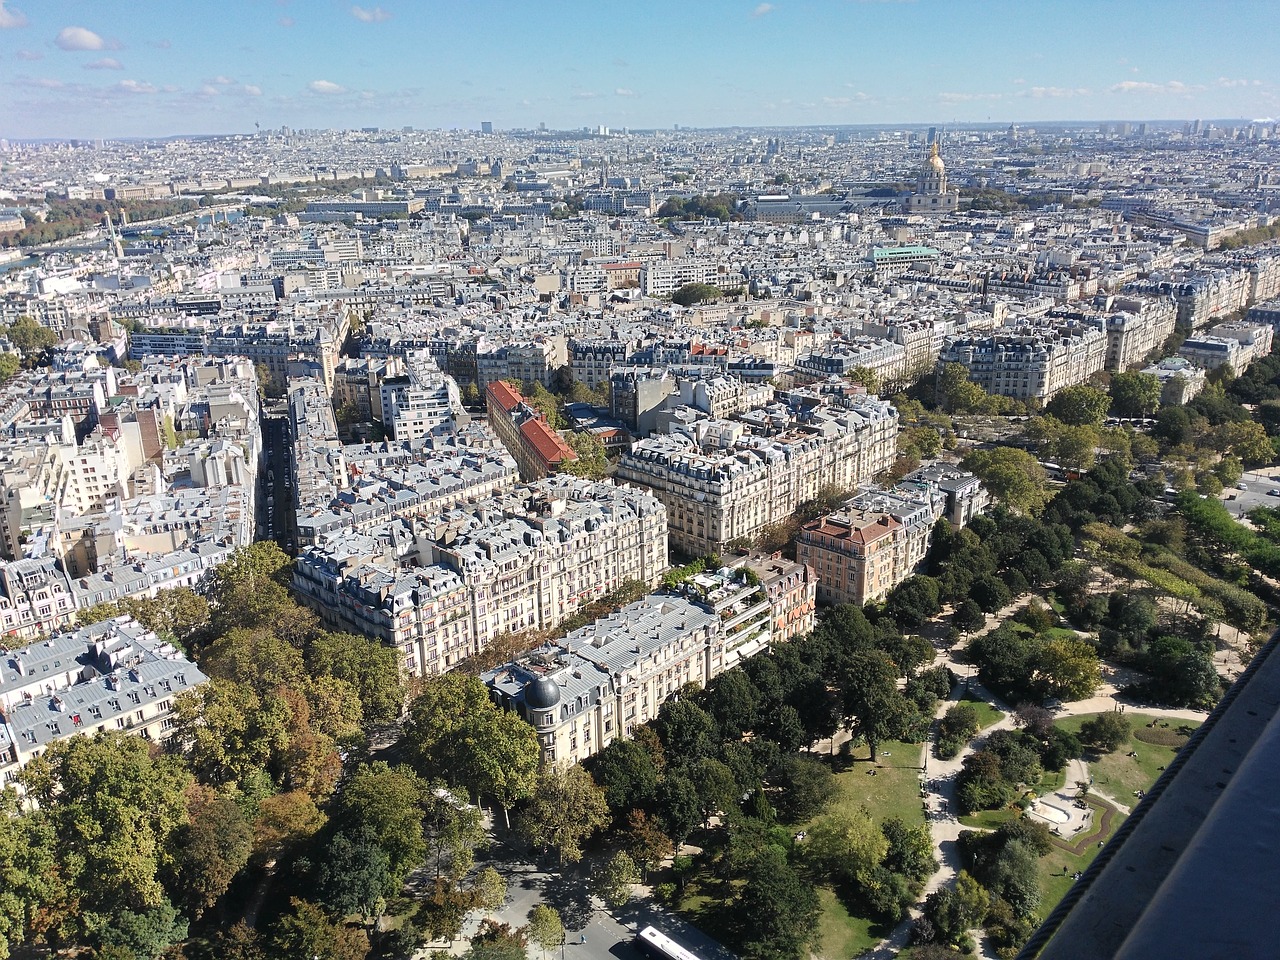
(147, 932)
(958, 394)
(113, 814)
(679, 806)
(645, 841)
(214, 847)
(1079, 406)
(454, 829)
(910, 850)
(615, 881)
(1134, 394)
(692, 293)
(458, 735)
(354, 875)
(489, 889)
(914, 601)
(808, 785)
(30, 338)
(497, 941)
(284, 821)
(545, 927)
(1013, 477)
(445, 910)
(307, 932)
(955, 729)
(776, 910)
(591, 461)
(872, 705)
(500, 755)
(1068, 668)
(626, 773)
(845, 846)
(687, 731)
(567, 807)
(867, 377)
(1107, 731)
(388, 802)
(969, 617)
(954, 911)
(369, 666)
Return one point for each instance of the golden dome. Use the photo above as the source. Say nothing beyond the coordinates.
(935, 162)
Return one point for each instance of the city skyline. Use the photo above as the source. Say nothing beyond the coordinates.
(149, 69)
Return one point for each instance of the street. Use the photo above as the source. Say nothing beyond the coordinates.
(608, 934)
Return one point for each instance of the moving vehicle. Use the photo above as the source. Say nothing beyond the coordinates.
(656, 944)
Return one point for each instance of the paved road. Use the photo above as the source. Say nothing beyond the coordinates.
(608, 933)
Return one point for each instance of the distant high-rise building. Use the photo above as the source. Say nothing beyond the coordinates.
(486, 126)
(933, 136)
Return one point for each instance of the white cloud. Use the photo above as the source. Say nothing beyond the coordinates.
(30, 55)
(762, 9)
(249, 90)
(968, 97)
(1056, 93)
(209, 90)
(624, 92)
(375, 15)
(134, 86)
(585, 95)
(11, 19)
(325, 87)
(48, 83)
(1145, 86)
(222, 81)
(106, 63)
(162, 44)
(78, 38)
(1228, 82)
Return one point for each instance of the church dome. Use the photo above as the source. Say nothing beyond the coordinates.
(542, 694)
(934, 162)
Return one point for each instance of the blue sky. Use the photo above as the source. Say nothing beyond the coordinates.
(101, 68)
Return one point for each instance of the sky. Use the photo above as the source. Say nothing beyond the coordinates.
(115, 68)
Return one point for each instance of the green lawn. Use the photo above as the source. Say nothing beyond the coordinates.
(1059, 633)
(987, 714)
(1054, 883)
(990, 819)
(1117, 774)
(840, 933)
(894, 791)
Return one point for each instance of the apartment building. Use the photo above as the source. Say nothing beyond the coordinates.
(114, 675)
(858, 555)
(722, 481)
(1236, 345)
(1180, 380)
(885, 359)
(520, 561)
(881, 537)
(420, 402)
(538, 450)
(600, 682)
(1030, 361)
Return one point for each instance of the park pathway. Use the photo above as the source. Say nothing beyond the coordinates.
(938, 777)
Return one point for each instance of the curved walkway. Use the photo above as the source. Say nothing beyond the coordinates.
(938, 789)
